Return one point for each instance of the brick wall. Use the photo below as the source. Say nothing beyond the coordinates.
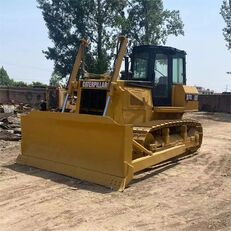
(27, 95)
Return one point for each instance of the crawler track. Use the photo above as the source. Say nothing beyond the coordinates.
(162, 134)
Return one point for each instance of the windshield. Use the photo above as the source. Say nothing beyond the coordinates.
(140, 68)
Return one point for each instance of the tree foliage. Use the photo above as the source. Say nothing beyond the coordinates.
(19, 84)
(55, 80)
(100, 21)
(226, 14)
(4, 78)
(37, 84)
(147, 22)
(68, 21)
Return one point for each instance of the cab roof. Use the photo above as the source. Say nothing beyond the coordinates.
(158, 49)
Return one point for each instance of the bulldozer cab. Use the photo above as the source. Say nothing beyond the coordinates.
(159, 68)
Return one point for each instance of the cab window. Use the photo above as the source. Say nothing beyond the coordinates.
(161, 75)
(140, 69)
(177, 70)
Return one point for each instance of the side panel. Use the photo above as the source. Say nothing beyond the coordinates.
(180, 100)
(91, 148)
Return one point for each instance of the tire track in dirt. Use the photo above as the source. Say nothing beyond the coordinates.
(190, 194)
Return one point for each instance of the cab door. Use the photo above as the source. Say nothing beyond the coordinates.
(169, 70)
(162, 80)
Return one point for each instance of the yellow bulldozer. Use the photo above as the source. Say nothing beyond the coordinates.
(120, 123)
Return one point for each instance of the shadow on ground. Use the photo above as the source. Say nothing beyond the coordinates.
(157, 169)
(76, 184)
(71, 183)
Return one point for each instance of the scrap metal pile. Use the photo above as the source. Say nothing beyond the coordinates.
(10, 129)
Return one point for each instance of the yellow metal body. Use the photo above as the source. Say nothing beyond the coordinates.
(91, 148)
(178, 99)
(108, 150)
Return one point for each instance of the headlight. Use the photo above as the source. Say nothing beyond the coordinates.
(191, 97)
(195, 98)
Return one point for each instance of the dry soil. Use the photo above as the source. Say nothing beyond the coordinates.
(189, 194)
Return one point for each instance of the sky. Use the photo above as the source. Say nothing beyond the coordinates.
(23, 36)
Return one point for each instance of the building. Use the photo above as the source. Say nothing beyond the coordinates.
(203, 91)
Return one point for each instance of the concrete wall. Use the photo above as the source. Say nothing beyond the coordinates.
(28, 95)
(215, 103)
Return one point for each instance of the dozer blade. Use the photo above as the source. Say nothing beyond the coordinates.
(91, 148)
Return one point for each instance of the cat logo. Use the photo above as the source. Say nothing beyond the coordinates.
(95, 84)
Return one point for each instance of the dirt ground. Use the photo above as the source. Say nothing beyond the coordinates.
(190, 194)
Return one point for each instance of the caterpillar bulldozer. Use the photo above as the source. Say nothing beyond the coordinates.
(121, 123)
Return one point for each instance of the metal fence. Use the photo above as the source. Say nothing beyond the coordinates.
(215, 103)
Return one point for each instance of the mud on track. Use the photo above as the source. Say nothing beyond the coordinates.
(188, 194)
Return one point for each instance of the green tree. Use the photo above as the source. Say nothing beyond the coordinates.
(68, 21)
(20, 84)
(4, 78)
(100, 21)
(226, 14)
(55, 79)
(37, 84)
(150, 23)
